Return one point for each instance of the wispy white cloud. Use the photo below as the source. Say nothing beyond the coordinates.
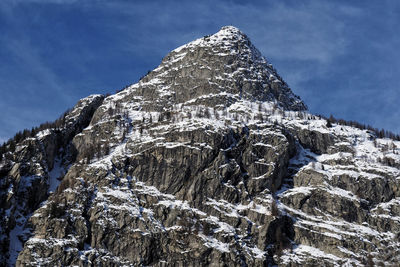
(27, 55)
(308, 32)
(17, 2)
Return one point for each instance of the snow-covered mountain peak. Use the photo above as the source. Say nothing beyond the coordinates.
(211, 158)
(225, 63)
(228, 36)
(230, 30)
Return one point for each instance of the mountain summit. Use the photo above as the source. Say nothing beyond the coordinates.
(219, 64)
(209, 159)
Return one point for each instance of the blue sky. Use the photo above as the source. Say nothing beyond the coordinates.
(340, 57)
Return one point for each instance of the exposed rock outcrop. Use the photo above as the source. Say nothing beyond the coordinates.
(32, 172)
(209, 160)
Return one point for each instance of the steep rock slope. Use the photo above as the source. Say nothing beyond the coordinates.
(32, 172)
(211, 159)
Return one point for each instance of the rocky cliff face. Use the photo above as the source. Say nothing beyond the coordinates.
(31, 173)
(209, 160)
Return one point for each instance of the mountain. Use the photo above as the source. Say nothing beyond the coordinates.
(210, 159)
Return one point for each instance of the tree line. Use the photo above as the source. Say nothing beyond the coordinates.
(382, 133)
(10, 145)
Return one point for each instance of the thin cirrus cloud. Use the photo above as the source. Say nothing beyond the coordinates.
(341, 57)
(290, 32)
(28, 85)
